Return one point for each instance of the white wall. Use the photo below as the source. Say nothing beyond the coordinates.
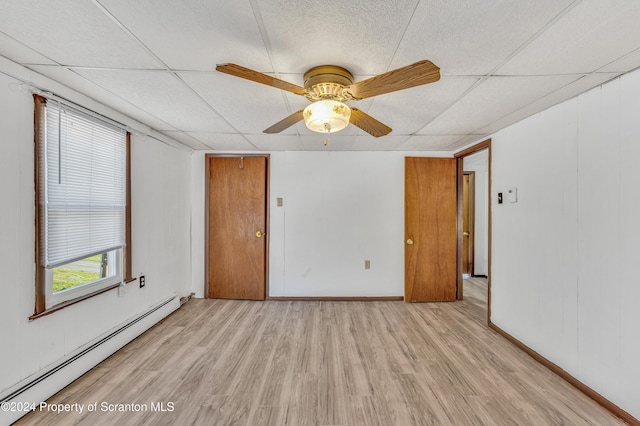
(481, 230)
(340, 209)
(161, 246)
(564, 257)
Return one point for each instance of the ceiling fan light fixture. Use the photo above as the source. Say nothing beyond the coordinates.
(326, 116)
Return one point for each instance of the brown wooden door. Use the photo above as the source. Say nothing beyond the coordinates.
(430, 229)
(468, 222)
(237, 227)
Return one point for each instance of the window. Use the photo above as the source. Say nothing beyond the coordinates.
(83, 216)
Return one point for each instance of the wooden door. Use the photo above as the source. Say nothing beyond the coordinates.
(237, 227)
(468, 219)
(430, 229)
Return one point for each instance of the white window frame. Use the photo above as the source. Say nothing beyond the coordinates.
(114, 266)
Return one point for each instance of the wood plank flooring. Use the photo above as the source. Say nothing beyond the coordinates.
(227, 362)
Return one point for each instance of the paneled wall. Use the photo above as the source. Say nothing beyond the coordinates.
(160, 237)
(565, 256)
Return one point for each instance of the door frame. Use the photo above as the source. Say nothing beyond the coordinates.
(459, 156)
(207, 171)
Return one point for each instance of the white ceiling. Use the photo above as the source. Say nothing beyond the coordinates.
(500, 60)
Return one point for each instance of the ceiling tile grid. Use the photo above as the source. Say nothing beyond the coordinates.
(593, 34)
(500, 62)
(428, 142)
(186, 139)
(72, 32)
(568, 91)
(231, 96)
(89, 88)
(285, 142)
(197, 34)
(495, 97)
(20, 53)
(426, 103)
(222, 141)
(360, 35)
(162, 95)
(473, 37)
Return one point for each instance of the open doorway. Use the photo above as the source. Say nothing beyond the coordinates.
(474, 218)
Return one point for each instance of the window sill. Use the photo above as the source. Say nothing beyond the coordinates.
(76, 300)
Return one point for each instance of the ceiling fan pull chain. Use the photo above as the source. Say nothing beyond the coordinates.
(327, 128)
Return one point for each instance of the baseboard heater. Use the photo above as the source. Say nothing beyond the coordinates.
(83, 352)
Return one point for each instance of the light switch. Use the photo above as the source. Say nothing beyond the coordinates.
(512, 195)
(279, 202)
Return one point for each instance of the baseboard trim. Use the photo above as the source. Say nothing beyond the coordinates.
(478, 276)
(341, 299)
(604, 402)
(42, 385)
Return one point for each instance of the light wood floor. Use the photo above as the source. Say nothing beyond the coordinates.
(224, 362)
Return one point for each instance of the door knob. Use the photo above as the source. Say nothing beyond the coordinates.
(409, 241)
(259, 234)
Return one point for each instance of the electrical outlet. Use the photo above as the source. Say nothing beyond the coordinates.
(142, 281)
(367, 264)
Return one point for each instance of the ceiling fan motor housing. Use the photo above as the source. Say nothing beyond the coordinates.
(328, 82)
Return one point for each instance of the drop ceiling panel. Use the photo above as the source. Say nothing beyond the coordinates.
(18, 52)
(195, 35)
(250, 107)
(73, 33)
(492, 99)
(359, 35)
(295, 102)
(593, 34)
(469, 141)
(368, 143)
(223, 142)
(162, 95)
(278, 142)
(109, 50)
(408, 111)
(429, 143)
(82, 85)
(472, 38)
(569, 91)
(625, 64)
(186, 139)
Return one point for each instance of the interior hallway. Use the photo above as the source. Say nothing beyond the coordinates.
(223, 362)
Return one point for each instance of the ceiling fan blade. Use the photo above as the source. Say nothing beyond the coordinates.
(258, 77)
(285, 123)
(422, 72)
(368, 123)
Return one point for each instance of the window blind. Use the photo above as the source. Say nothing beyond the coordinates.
(85, 185)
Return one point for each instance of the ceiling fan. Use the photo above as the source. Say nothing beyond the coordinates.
(329, 86)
